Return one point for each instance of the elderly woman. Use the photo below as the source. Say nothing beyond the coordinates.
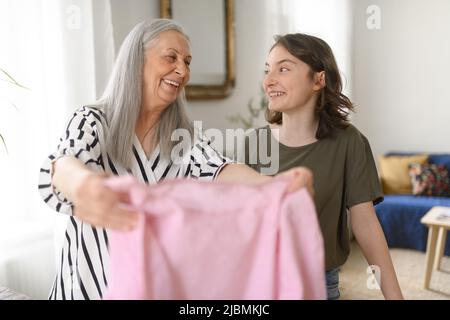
(128, 132)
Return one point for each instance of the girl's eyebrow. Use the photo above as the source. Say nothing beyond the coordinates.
(282, 61)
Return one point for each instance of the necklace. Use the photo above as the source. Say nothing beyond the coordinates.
(147, 144)
(148, 131)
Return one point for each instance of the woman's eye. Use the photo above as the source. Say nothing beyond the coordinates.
(283, 69)
(172, 58)
(188, 63)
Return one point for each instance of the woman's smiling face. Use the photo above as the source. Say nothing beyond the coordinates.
(166, 68)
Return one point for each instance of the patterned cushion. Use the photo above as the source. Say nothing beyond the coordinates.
(429, 180)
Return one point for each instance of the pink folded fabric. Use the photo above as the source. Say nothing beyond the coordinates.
(211, 240)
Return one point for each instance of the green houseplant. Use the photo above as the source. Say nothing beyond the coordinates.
(5, 76)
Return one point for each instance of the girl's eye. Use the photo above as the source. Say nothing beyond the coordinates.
(283, 69)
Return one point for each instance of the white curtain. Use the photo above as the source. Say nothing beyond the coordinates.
(63, 52)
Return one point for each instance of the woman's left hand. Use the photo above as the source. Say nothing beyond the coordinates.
(299, 177)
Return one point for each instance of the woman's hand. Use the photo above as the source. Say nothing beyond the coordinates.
(299, 177)
(99, 206)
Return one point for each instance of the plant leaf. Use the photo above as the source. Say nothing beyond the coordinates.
(4, 143)
(11, 79)
(11, 103)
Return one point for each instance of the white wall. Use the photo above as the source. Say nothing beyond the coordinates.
(126, 14)
(104, 50)
(400, 79)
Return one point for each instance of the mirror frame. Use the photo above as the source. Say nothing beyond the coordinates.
(205, 91)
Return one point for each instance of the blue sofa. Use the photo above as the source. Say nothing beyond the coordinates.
(400, 215)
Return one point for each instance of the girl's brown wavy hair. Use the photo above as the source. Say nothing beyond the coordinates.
(333, 107)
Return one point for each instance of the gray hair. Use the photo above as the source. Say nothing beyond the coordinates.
(121, 100)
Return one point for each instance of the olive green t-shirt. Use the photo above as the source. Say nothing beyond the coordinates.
(344, 175)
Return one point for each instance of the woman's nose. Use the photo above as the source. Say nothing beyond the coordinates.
(181, 69)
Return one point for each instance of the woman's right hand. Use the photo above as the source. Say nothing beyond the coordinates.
(100, 206)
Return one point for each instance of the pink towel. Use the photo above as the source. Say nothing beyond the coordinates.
(210, 240)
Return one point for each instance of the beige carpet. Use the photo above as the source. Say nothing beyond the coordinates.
(410, 268)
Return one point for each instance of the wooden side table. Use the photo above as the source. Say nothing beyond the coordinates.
(438, 222)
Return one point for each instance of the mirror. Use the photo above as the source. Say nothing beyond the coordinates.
(209, 25)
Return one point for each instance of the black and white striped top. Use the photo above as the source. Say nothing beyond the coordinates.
(84, 257)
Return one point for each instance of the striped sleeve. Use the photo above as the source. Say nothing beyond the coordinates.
(205, 162)
(80, 140)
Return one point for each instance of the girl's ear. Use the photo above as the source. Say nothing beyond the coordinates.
(320, 80)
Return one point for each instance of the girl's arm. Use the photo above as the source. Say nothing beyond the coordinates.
(370, 237)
